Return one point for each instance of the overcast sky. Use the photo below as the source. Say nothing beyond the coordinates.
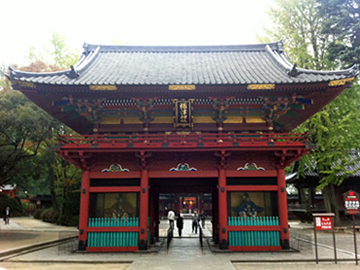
(133, 22)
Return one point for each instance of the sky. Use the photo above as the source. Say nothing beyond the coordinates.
(131, 22)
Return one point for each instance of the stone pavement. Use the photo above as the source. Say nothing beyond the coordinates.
(183, 253)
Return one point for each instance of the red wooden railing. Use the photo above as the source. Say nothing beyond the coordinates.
(192, 140)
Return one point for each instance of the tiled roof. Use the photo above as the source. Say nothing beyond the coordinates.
(313, 173)
(199, 65)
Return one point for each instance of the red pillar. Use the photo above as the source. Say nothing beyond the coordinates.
(215, 215)
(222, 209)
(84, 209)
(144, 210)
(283, 211)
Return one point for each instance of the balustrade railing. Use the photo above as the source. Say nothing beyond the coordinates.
(114, 222)
(253, 221)
(113, 239)
(182, 140)
(254, 238)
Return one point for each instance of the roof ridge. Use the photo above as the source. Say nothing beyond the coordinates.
(188, 48)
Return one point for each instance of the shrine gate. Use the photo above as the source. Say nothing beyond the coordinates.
(183, 119)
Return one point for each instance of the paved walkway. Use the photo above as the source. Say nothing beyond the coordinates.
(183, 253)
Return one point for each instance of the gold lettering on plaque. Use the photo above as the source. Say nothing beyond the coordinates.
(260, 86)
(182, 87)
(103, 87)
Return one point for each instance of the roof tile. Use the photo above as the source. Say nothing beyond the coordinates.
(200, 65)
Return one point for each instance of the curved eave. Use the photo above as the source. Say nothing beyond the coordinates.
(185, 88)
(70, 78)
(292, 70)
(75, 71)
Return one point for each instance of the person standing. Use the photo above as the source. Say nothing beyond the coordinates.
(7, 215)
(202, 218)
(179, 223)
(171, 218)
(195, 222)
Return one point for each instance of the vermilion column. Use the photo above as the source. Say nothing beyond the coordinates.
(222, 209)
(283, 211)
(144, 209)
(84, 209)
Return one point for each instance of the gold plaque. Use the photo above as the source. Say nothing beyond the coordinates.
(103, 87)
(260, 86)
(182, 87)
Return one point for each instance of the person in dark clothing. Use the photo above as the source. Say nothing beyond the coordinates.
(195, 222)
(179, 223)
(7, 215)
(202, 218)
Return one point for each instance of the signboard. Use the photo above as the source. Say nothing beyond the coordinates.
(183, 113)
(324, 223)
(351, 200)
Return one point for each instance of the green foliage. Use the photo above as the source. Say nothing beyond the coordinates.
(28, 137)
(38, 213)
(25, 207)
(334, 130)
(14, 204)
(70, 220)
(342, 24)
(24, 127)
(305, 31)
(298, 24)
(49, 215)
(317, 35)
(57, 56)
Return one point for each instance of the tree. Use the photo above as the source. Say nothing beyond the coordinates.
(342, 24)
(57, 56)
(298, 24)
(24, 127)
(28, 135)
(334, 128)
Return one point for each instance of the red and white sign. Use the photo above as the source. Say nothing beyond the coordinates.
(351, 199)
(324, 223)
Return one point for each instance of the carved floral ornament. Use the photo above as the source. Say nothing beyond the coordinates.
(250, 167)
(183, 167)
(116, 168)
(341, 82)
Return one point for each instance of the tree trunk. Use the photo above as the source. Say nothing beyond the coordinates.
(331, 204)
(302, 197)
(52, 187)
